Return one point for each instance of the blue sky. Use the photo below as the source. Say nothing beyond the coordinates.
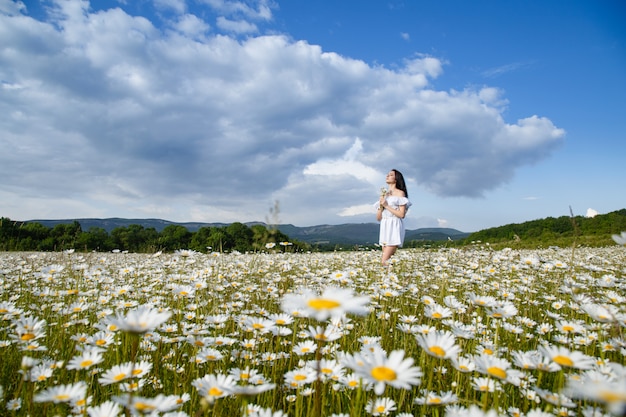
(496, 112)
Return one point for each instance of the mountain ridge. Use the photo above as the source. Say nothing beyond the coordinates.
(346, 233)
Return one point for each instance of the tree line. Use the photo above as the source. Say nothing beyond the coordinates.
(33, 236)
(558, 231)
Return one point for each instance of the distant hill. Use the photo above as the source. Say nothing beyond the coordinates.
(559, 231)
(341, 234)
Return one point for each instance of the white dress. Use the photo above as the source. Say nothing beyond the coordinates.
(392, 226)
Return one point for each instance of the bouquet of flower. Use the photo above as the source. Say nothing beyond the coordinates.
(383, 193)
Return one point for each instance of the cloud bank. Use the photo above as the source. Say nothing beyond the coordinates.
(203, 117)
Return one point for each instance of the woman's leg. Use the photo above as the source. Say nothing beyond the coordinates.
(388, 252)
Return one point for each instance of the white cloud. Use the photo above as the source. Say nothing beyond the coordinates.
(178, 6)
(192, 26)
(236, 26)
(12, 7)
(591, 213)
(107, 107)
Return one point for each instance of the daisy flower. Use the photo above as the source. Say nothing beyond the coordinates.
(208, 355)
(440, 344)
(299, 377)
(485, 384)
(327, 334)
(620, 239)
(305, 348)
(607, 389)
(85, 360)
(464, 364)
(437, 312)
(330, 369)
(498, 368)
(63, 393)
(332, 302)
(394, 370)
(142, 319)
(526, 359)
(570, 327)
(106, 409)
(482, 301)
(380, 406)
(119, 373)
(215, 386)
(147, 406)
(555, 399)
(433, 398)
(37, 373)
(14, 404)
(566, 358)
(100, 339)
(603, 314)
(28, 329)
(502, 310)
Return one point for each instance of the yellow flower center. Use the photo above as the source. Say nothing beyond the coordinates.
(323, 304)
(86, 363)
(299, 377)
(437, 351)
(563, 360)
(382, 373)
(62, 397)
(143, 407)
(612, 396)
(101, 342)
(497, 372)
(28, 336)
(119, 377)
(215, 392)
(437, 315)
(435, 400)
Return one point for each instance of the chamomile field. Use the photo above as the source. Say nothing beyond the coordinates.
(446, 332)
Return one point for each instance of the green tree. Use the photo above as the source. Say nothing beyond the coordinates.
(96, 238)
(174, 237)
(65, 235)
(201, 239)
(240, 236)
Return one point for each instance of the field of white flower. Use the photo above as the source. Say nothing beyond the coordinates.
(450, 332)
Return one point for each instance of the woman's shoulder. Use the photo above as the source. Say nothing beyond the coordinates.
(401, 199)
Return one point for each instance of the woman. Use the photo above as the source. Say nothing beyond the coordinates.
(391, 209)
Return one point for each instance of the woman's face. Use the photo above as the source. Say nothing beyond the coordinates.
(391, 177)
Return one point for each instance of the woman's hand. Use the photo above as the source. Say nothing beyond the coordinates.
(382, 201)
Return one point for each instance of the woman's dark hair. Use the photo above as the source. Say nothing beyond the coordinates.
(400, 184)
